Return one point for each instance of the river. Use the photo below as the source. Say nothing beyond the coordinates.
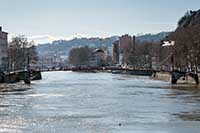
(71, 102)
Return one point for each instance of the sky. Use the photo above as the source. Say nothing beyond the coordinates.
(65, 19)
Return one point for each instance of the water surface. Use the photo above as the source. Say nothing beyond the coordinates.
(99, 102)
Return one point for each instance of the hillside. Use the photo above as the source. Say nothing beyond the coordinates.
(187, 37)
(62, 47)
(191, 18)
(152, 37)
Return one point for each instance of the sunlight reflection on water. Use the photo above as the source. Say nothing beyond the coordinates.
(98, 102)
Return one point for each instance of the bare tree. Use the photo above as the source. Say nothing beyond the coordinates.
(141, 55)
(80, 56)
(18, 50)
(187, 46)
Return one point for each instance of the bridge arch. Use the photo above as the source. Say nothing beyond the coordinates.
(176, 75)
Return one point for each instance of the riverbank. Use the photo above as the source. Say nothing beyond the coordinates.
(17, 76)
(166, 76)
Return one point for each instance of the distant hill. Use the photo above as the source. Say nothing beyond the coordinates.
(186, 37)
(62, 47)
(188, 26)
(152, 37)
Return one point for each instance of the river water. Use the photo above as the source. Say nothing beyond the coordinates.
(73, 102)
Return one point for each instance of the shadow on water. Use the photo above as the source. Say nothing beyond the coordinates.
(188, 91)
(188, 116)
(13, 89)
(187, 95)
(185, 86)
(9, 94)
(190, 95)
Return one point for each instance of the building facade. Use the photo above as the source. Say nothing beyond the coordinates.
(3, 50)
(115, 52)
(126, 43)
(122, 49)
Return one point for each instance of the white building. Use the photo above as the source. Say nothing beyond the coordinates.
(3, 50)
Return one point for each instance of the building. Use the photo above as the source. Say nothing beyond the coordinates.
(46, 62)
(115, 52)
(122, 48)
(126, 43)
(3, 50)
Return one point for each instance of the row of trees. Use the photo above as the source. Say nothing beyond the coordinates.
(187, 42)
(143, 54)
(86, 56)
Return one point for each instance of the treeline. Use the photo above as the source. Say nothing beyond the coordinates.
(87, 56)
(80, 56)
(140, 57)
(143, 55)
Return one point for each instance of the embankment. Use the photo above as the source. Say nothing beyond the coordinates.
(166, 76)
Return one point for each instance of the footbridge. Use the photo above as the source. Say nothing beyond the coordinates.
(175, 74)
